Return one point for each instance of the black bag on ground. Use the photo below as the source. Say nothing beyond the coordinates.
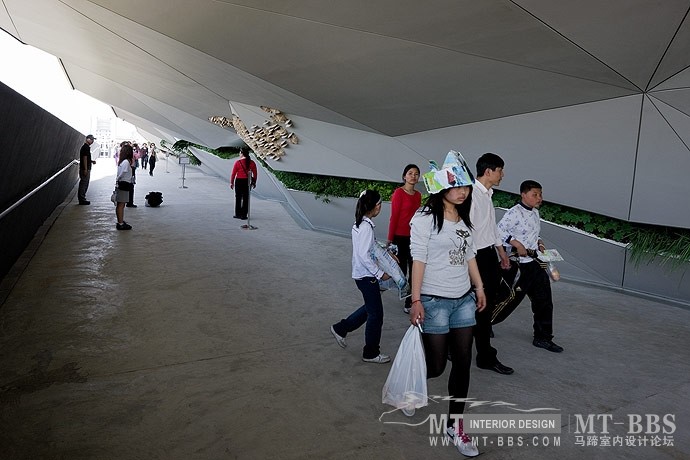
(154, 199)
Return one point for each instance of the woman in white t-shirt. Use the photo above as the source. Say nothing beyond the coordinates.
(443, 273)
(124, 185)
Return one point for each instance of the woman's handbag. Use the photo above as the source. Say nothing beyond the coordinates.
(405, 387)
(113, 197)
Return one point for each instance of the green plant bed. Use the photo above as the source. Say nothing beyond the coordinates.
(646, 242)
(183, 147)
(324, 187)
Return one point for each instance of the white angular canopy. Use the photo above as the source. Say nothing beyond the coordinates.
(590, 98)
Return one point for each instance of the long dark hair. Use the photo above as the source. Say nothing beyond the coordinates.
(247, 160)
(434, 206)
(367, 201)
(126, 153)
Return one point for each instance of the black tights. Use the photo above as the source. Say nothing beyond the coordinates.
(436, 350)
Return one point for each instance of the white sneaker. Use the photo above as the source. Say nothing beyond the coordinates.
(462, 441)
(380, 359)
(406, 310)
(341, 340)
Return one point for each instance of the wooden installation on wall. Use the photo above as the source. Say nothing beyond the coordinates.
(268, 141)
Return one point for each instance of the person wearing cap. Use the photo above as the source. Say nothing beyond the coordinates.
(85, 163)
(447, 288)
(489, 251)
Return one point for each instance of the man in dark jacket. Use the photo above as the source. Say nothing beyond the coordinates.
(85, 163)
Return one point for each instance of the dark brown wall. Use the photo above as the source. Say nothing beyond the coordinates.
(34, 145)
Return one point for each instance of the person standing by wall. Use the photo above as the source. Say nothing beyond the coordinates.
(124, 182)
(489, 251)
(240, 182)
(444, 271)
(85, 163)
(366, 275)
(405, 201)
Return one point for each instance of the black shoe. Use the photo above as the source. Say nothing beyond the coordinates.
(236, 217)
(131, 205)
(123, 226)
(498, 367)
(85, 202)
(243, 218)
(547, 345)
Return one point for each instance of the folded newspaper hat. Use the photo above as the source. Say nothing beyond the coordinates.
(454, 173)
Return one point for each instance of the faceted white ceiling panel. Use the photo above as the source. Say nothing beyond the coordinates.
(393, 84)
(677, 98)
(226, 81)
(501, 31)
(119, 96)
(6, 22)
(680, 80)
(630, 36)
(677, 56)
(557, 87)
(571, 151)
(661, 173)
(678, 119)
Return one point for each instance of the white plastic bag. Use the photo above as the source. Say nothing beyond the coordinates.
(405, 387)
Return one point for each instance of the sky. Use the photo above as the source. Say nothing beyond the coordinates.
(38, 76)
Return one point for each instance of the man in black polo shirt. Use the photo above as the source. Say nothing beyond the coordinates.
(85, 163)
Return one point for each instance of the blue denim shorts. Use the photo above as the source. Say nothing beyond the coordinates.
(442, 314)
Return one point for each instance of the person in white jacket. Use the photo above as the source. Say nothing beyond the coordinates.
(366, 274)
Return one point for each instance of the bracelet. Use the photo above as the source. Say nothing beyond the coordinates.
(415, 301)
(479, 289)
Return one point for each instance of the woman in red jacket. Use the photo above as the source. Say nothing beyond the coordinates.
(240, 182)
(404, 202)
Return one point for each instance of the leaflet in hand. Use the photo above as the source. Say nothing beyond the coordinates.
(550, 255)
